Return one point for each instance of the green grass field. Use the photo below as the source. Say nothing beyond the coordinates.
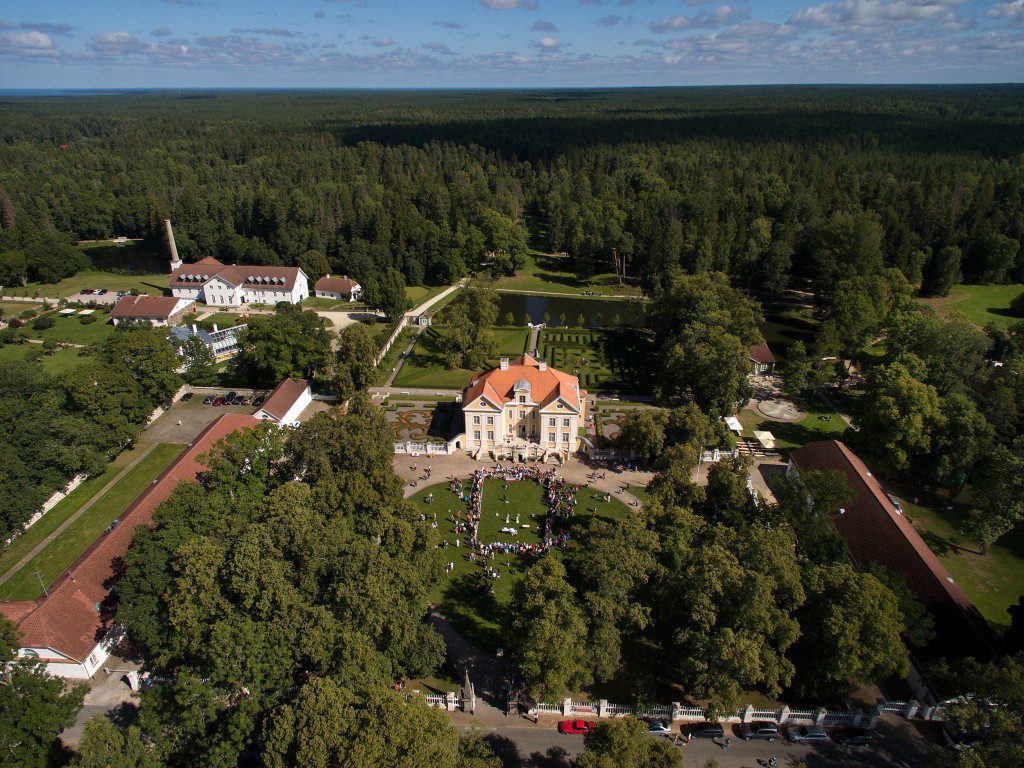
(475, 614)
(606, 360)
(222, 320)
(549, 273)
(981, 304)
(820, 424)
(15, 308)
(54, 363)
(153, 284)
(424, 368)
(76, 538)
(70, 329)
(994, 581)
(417, 294)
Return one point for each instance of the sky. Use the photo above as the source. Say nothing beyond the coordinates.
(505, 43)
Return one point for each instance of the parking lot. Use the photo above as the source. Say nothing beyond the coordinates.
(184, 420)
(110, 297)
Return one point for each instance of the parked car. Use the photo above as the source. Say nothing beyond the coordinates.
(259, 400)
(122, 294)
(186, 397)
(208, 400)
(808, 733)
(658, 727)
(102, 292)
(703, 730)
(760, 729)
(239, 400)
(88, 292)
(218, 401)
(575, 726)
(853, 737)
(230, 396)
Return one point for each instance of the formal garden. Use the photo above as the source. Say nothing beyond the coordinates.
(473, 601)
(606, 360)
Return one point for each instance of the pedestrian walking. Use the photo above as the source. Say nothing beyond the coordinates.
(728, 743)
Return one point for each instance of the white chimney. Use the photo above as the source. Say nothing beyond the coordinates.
(504, 364)
(175, 261)
(194, 328)
(214, 327)
(542, 365)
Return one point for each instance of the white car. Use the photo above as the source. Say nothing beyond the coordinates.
(659, 728)
(809, 733)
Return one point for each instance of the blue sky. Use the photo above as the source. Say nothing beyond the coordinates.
(498, 43)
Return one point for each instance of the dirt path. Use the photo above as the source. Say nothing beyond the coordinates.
(81, 511)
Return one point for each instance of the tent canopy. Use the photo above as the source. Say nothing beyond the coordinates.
(766, 439)
(734, 424)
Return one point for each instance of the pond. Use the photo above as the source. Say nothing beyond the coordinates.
(527, 308)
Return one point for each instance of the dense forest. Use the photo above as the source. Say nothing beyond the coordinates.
(765, 185)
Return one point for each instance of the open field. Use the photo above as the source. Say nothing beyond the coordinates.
(994, 581)
(424, 367)
(153, 284)
(548, 273)
(48, 564)
(981, 304)
(14, 308)
(222, 320)
(610, 360)
(70, 329)
(475, 614)
(417, 294)
(54, 363)
(821, 423)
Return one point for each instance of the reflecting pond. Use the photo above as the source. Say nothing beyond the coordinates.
(526, 308)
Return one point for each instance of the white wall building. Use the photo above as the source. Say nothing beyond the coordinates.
(219, 285)
(286, 403)
(338, 288)
(523, 407)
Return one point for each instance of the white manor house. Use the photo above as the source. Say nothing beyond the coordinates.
(523, 409)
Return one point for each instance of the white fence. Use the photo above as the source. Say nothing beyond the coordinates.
(391, 340)
(425, 449)
(782, 715)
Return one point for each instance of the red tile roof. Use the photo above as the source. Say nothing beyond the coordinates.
(335, 284)
(70, 620)
(761, 353)
(498, 386)
(284, 397)
(254, 278)
(876, 533)
(139, 307)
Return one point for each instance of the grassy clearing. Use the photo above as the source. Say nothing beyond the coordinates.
(549, 273)
(606, 360)
(981, 304)
(994, 581)
(15, 308)
(425, 368)
(154, 284)
(222, 320)
(76, 538)
(70, 330)
(54, 363)
(820, 423)
(417, 294)
(479, 615)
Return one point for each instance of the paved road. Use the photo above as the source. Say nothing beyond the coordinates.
(898, 745)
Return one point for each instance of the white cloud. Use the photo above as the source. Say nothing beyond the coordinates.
(548, 43)
(720, 16)
(47, 27)
(26, 43)
(509, 5)
(543, 26)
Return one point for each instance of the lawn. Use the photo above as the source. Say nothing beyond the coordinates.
(417, 294)
(222, 320)
(549, 273)
(14, 308)
(821, 423)
(475, 614)
(153, 284)
(424, 367)
(76, 538)
(981, 304)
(55, 363)
(70, 329)
(606, 360)
(994, 581)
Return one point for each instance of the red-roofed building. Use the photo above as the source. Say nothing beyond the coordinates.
(523, 409)
(762, 358)
(339, 288)
(156, 310)
(876, 532)
(286, 403)
(69, 629)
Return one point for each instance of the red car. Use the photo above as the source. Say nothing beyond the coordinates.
(218, 401)
(575, 726)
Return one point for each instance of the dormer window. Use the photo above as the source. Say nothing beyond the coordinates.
(522, 398)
